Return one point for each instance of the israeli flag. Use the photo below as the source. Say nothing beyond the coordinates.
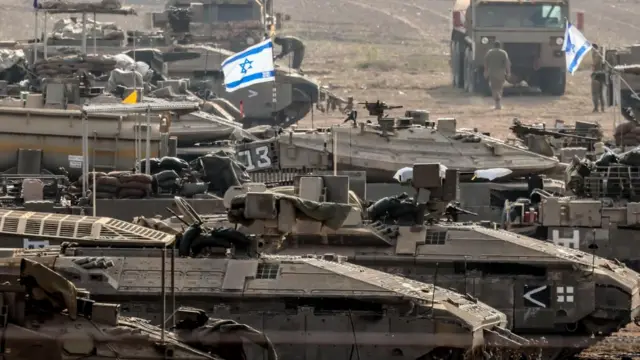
(576, 47)
(253, 65)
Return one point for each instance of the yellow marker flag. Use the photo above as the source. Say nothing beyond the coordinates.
(132, 98)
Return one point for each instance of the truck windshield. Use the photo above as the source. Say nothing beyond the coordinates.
(503, 15)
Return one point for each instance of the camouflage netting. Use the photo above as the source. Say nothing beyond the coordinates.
(72, 29)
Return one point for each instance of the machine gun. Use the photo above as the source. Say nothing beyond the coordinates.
(454, 209)
(521, 131)
(377, 108)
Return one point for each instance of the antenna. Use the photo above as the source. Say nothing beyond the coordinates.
(433, 294)
(593, 247)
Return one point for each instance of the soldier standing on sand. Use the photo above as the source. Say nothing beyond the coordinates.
(598, 78)
(497, 68)
(290, 44)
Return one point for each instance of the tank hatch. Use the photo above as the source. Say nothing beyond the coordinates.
(88, 230)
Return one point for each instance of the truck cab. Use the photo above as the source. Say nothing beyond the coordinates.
(531, 32)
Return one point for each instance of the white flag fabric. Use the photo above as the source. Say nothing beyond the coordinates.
(254, 65)
(575, 47)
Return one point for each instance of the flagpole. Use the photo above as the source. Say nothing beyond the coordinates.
(605, 63)
(35, 27)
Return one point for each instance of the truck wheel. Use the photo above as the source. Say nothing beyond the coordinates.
(457, 70)
(469, 73)
(553, 81)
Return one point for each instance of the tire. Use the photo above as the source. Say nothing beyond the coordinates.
(553, 81)
(457, 70)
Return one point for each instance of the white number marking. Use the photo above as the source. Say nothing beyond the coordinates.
(262, 154)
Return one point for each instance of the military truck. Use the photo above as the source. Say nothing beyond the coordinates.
(232, 24)
(531, 32)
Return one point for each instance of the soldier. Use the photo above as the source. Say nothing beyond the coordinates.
(349, 106)
(497, 68)
(288, 45)
(598, 78)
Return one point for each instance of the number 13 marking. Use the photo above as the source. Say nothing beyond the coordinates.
(262, 153)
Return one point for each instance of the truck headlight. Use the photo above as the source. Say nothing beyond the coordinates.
(484, 40)
(559, 41)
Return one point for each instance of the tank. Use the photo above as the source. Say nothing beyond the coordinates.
(317, 306)
(570, 298)
(47, 317)
(295, 93)
(55, 134)
(532, 33)
(625, 65)
(233, 25)
(407, 140)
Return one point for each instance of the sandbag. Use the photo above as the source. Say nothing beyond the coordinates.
(105, 188)
(124, 193)
(141, 178)
(119, 174)
(173, 163)
(165, 176)
(136, 185)
(190, 189)
(107, 180)
(154, 165)
(99, 174)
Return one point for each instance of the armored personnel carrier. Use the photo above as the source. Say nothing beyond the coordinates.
(407, 140)
(46, 317)
(569, 297)
(532, 33)
(306, 305)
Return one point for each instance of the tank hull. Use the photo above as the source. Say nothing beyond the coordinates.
(381, 156)
(58, 134)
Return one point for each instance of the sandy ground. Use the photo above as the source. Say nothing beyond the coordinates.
(398, 51)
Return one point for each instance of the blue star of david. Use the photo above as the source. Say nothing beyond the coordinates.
(246, 65)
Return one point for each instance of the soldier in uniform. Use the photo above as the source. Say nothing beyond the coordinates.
(290, 44)
(598, 78)
(497, 68)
